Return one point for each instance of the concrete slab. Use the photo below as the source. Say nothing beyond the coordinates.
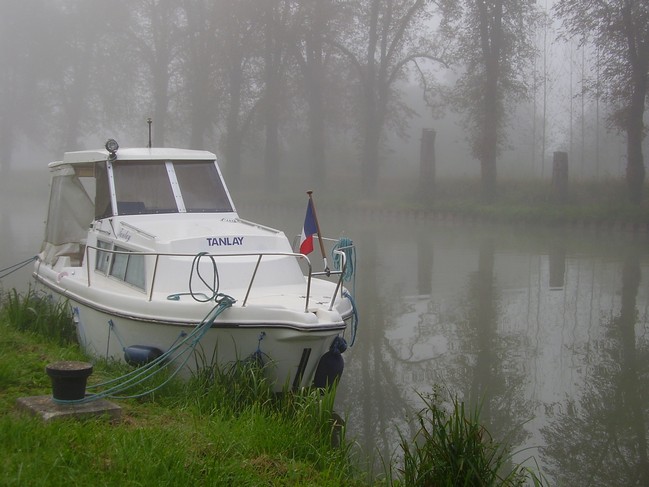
(48, 410)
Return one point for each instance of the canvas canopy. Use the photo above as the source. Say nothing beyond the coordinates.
(71, 212)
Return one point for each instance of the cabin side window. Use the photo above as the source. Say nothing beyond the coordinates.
(128, 267)
(103, 257)
(120, 263)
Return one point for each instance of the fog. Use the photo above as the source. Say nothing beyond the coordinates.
(211, 76)
(287, 96)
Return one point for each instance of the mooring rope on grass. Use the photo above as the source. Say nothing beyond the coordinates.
(117, 386)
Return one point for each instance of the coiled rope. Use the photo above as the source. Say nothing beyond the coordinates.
(345, 245)
(216, 281)
(213, 287)
(181, 349)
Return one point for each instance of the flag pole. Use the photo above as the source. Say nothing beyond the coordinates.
(317, 226)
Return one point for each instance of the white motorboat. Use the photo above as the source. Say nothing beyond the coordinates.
(144, 242)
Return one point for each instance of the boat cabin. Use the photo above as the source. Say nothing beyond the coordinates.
(89, 186)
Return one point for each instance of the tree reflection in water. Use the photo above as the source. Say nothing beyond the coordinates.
(600, 437)
(488, 371)
(371, 376)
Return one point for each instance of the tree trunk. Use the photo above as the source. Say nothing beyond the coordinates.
(371, 133)
(491, 39)
(271, 108)
(489, 145)
(635, 170)
(271, 147)
(560, 176)
(160, 106)
(370, 157)
(199, 82)
(317, 138)
(427, 165)
(77, 96)
(6, 146)
(315, 74)
(159, 61)
(232, 133)
(199, 118)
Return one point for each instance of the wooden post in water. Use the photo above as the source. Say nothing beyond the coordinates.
(427, 165)
(560, 175)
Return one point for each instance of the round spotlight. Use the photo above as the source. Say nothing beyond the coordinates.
(112, 146)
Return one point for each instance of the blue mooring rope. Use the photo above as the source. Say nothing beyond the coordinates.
(138, 376)
(13, 268)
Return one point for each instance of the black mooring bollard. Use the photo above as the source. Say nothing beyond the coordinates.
(69, 379)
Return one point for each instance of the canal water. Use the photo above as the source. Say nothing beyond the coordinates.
(546, 329)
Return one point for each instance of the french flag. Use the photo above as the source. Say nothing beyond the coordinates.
(310, 228)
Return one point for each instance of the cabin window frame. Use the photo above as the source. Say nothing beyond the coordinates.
(209, 195)
(121, 264)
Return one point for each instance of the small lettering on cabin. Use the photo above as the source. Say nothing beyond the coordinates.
(220, 241)
(124, 235)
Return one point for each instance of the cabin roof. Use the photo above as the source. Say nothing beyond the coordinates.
(134, 154)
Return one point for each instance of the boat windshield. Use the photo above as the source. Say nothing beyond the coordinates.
(144, 187)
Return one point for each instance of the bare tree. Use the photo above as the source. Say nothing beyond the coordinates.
(311, 25)
(319, 71)
(238, 44)
(619, 30)
(155, 39)
(388, 36)
(275, 18)
(74, 87)
(493, 40)
(199, 59)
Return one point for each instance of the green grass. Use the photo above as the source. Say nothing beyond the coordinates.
(39, 314)
(220, 427)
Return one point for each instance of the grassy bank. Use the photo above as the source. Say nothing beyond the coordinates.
(189, 433)
(215, 429)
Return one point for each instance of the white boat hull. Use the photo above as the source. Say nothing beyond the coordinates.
(283, 349)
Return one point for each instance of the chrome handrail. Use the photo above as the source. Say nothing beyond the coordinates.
(260, 255)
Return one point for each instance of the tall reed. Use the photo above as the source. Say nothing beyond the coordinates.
(37, 313)
(453, 449)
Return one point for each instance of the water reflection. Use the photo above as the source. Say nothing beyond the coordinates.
(375, 378)
(557, 263)
(488, 365)
(599, 437)
(508, 320)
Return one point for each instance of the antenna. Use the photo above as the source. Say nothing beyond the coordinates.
(149, 121)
